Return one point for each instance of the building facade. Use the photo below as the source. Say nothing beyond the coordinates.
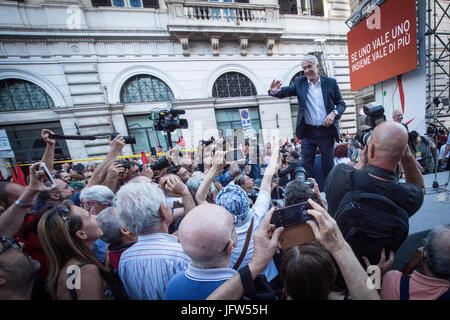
(101, 66)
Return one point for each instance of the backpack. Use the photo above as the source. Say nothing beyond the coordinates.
(370, 222)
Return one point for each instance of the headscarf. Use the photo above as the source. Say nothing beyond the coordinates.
(235, 200)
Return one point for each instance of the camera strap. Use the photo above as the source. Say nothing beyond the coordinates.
(244, 249)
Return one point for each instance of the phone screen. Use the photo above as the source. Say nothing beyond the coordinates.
(291, 215)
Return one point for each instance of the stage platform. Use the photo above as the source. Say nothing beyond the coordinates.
(436, 206)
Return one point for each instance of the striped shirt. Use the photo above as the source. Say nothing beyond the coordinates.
(146, 267)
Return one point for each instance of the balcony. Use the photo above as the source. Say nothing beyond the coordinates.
(223, 20)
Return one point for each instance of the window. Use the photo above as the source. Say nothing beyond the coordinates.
(27, 144)
(233, 84)
(298, 74)
(302, 7)
(126, 3)
(288, 6)
(228, 119)
(21, 95)
(147, 138)
(145, 88)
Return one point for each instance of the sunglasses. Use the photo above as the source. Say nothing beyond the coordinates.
(9, 243)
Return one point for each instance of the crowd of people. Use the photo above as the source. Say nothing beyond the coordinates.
(196, 226)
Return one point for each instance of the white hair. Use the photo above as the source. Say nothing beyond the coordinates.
(110, 223)
(98, 193)
(138, 206)
(438, 251)
(194, 183)
(311, 58)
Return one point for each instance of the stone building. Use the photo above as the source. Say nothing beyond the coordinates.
(93, 67)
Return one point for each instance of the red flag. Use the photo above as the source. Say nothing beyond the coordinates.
(144, 157)
(13, 174)
(20, 176)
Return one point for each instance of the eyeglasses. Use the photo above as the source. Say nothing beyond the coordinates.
(88, 204)
(9, 243)
(235, 220)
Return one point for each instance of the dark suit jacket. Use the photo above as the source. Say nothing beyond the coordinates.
(331, 96)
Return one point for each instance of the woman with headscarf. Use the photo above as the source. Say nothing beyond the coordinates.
(248, 220)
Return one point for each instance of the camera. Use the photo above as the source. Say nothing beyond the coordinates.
(128, 139)
(160, 164)
(374, 116)
(125, 163)
(168, 120)
(291, 215)
(208, 142)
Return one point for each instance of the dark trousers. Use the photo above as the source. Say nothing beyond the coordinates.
(321, 137)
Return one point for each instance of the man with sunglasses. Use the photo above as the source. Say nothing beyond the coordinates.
(17, 271)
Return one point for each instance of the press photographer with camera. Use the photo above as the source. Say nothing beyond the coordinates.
(294, 162)
(374, 172)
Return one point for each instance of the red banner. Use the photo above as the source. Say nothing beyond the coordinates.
(384, 44)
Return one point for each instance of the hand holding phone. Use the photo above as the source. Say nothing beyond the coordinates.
(48, 175)
(293, 219)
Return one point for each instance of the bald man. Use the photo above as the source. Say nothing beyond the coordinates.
(208, 236)
(397, 116)
(375, 172)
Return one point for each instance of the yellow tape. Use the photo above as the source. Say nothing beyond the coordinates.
(102, 158)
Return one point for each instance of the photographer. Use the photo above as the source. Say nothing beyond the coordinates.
(375, 171)
(423, 149)
(294, 161)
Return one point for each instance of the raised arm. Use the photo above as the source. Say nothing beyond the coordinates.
(266, 183)
(218, 162)
(99, 174)
(177, 187)
(328, 234)
(412, 172)
(12, 219)
(49, 153)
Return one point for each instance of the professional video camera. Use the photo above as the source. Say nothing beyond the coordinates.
(168, 120)
(374, 116)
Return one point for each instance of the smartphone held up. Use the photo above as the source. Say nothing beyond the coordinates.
(293, 219)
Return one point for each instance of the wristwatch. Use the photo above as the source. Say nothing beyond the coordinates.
(336, 112)
(22, 204)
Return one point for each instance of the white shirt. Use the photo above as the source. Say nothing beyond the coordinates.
(315, 112)
(146, 267)
(258, 211)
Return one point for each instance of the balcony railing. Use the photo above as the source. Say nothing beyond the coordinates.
(193, 12)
